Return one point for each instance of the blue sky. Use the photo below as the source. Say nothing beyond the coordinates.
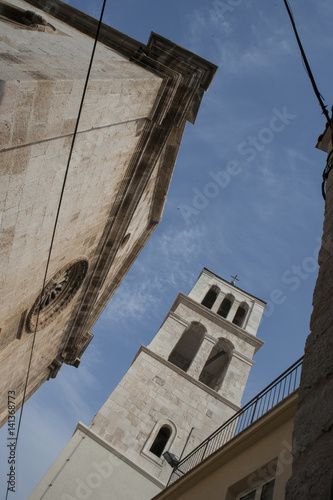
(245, 198)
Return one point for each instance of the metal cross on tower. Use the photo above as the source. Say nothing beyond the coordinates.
(234, 278)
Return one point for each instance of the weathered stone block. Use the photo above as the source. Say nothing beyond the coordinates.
(25, 99)
(316, 356)
(7, 237)
(312, 473)
(314, 417)
(20, 128)
(42, 101)
(20, 161)
(5, 132)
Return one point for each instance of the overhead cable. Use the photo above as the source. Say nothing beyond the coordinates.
(307, 66)
(320, 98)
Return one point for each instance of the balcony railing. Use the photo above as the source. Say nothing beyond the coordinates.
(273, 394)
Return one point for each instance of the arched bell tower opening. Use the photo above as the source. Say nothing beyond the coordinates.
(188, 345)
(210, 297)
(240, 315)
(226, 305)
(217, 363)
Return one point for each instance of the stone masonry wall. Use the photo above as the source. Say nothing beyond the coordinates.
(152, 393)
(313, 427)
(136, 229)
(43, 78)
(171, 331)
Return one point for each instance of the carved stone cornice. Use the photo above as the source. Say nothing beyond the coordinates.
(159, 49)
(54, 367)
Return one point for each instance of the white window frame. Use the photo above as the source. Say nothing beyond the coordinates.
(257, 489)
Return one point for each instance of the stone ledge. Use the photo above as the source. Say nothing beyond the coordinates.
(216, 318)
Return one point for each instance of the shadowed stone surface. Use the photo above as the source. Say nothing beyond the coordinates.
(313, 430)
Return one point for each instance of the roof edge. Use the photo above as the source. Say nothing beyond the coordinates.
(124, 44)
(225, 281)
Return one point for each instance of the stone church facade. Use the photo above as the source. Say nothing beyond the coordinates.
(138, 100)
(177, 391)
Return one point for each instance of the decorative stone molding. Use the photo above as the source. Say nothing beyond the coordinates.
(54, 368)
(219, 320)
(80, 347)
(20, 329)
(57, 294)
(25, 18)
(83, 343)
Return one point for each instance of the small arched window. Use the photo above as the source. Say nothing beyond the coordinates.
(217, 363)
(240, 315)
(160, 441)
(210, 297)
(187, 346)
(226, 305)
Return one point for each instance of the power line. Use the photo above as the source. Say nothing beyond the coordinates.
(320, 98)
(307, 66)
(56, 220)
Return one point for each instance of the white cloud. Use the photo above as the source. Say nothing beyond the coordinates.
(260, 47)
(169, 265)
(184, 244)
(218, 22)
(133, 300)
(71, 384)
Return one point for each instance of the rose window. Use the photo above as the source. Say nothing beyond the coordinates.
(58, 293)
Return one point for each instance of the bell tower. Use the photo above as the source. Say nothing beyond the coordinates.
(178, 390)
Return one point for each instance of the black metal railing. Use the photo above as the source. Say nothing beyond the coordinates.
(269, 397)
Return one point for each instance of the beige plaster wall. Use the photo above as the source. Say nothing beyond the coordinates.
(89, 468)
